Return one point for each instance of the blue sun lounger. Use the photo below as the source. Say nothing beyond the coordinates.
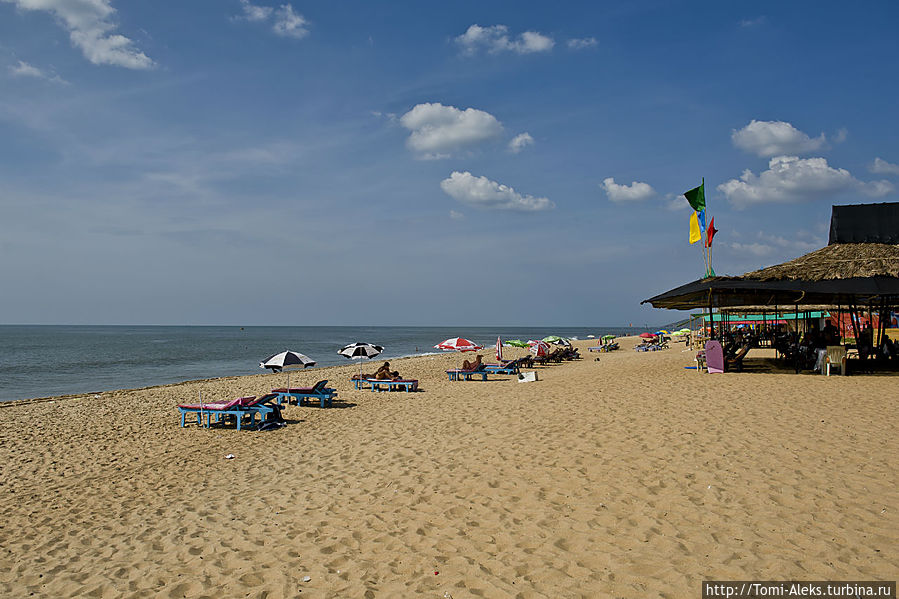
(457, 374)
(407, 385)
(512, 367)
(302, 394)
(251, 406)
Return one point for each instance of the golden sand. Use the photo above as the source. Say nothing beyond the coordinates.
(626, 477)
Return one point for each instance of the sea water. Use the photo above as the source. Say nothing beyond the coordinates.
(43, 361)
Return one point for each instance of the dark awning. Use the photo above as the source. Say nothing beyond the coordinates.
(723, 292)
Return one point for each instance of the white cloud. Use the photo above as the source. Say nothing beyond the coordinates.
(756, 249)
(255, 13)
(520, 142)
(793, 179)
(484, 193)
(877, 189)
(674, 202)
(581, 43)
(286, 22)
(456, 215)
(289, 23)
(767, 245)
(23, 69)
(883, 167)
(774, 138)
(438, 130)
(91, 30)
(495, 39)
(635, 192)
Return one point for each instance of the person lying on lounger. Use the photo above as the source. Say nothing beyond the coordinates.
(476, 365)
(385, 374)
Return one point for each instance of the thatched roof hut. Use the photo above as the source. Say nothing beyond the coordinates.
(860, 267)
(837, 261)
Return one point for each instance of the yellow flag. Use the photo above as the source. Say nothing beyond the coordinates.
(695, 231)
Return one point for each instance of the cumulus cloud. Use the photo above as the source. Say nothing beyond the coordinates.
(495, 39)
(793, 179)
(635, 192)
(484, 193)
(285, 21)
(456, 215)
(882, 167)
(520, 142)
(581, 43)
(774, 138)
(439, 130)
(91, 30)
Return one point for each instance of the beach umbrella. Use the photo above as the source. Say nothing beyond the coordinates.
(287, 359)
(556, 340)
(458, 344)
(499, 349)
(357, 351)
(516, 343)
(538, 347)
(608, 337)
(648, 335)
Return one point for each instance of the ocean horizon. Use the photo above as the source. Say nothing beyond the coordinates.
(50, 360)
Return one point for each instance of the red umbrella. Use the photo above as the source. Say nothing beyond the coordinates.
(648, 335)
(539, 348)
(458, 344)
(499, 349)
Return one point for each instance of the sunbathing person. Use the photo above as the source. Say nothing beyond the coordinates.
(385, 374)
(476, 365)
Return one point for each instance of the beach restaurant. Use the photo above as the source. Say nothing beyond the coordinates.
(857, 274)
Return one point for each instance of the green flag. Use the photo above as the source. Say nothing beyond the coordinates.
(696, 197)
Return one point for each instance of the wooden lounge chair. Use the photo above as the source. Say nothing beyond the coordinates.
(302, 394)
(408, 385)
(736, 362)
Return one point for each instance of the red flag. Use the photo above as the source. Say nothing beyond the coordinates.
(710, 233)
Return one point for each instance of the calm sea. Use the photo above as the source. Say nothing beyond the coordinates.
(41, 361)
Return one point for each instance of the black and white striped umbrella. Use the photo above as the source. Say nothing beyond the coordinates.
(360, 350)
(287, 359)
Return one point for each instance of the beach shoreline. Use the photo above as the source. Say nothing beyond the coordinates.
(628, 477)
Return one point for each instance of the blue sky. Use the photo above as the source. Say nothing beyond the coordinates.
(465, 163)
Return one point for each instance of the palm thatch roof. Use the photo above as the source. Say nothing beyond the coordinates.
(836, 261)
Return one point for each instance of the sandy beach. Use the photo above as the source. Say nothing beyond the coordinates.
(625, 477)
